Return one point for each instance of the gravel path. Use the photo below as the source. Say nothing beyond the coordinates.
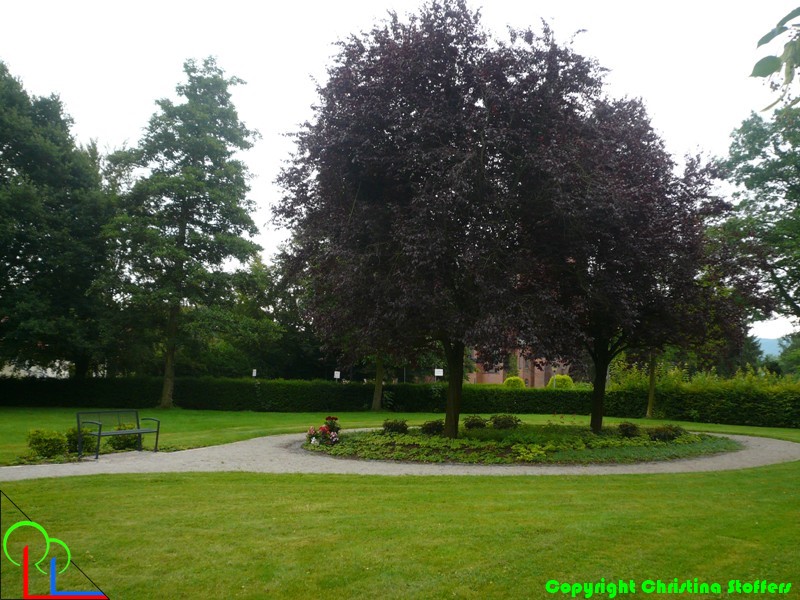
(283, 454)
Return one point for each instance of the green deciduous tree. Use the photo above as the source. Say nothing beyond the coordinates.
(186, 213)
(52, 211)
(788, 61)
(765, 161)
(789, 360)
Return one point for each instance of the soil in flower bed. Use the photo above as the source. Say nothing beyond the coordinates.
(527, 444)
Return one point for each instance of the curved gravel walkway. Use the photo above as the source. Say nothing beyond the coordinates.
(283, 454)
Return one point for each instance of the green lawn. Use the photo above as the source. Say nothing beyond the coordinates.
(241, 535)
(309, 536)
(182, 429)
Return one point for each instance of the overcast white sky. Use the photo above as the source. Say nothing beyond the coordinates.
(109, 62)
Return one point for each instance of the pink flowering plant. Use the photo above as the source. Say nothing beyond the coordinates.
(326, 435)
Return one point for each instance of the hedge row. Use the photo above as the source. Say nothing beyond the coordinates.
(487, 398)
(274, 395)
(724, 402)
(271, 395)
(139, 392)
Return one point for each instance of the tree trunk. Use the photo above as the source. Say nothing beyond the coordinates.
(378, 393)
(169, 362)
(651, 387)
(602, 359)
(455, 381)
(81, 367)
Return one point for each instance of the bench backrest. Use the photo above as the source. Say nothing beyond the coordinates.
(111, 419)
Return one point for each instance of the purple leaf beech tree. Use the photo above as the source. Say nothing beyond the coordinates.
(618, 239)
(397, 196)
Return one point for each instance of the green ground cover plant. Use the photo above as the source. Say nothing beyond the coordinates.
(254, 536)
(544, 444)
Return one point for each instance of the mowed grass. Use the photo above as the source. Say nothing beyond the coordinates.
(181, 429)
(234, 535)
(241, 535)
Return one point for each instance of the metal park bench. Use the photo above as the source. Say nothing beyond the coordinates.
(113, 422)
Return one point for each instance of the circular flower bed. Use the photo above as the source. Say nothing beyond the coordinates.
(521, 444)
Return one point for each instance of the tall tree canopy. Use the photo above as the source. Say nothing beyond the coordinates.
(765, 160)
(52, 210)
(398, 195)
(186, 212)
(617, 237)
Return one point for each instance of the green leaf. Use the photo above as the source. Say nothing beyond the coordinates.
(792, 15)
(766, 66)
(771, 36)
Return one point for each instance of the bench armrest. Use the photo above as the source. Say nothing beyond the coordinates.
(158, 430)
(99, 425)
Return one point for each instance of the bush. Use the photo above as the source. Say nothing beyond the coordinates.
(561, 382)
(433, 427)
(124, 442)
(474, 422)
(395, 426)
(47, 444)
(514, 383)
(629, 430)
(72, 440)
(504, 421)
(665, 433)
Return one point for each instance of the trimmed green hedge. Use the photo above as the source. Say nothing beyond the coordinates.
(487, 398)
(138, 392)
(271, 395)
(274, 395)
(724, 401)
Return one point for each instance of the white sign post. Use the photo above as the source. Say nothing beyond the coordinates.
(337, 374)
(255, 372)
(438, 373)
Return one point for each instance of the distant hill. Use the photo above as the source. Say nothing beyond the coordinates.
(769, 347)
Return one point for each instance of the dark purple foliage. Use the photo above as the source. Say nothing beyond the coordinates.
(480, 193)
